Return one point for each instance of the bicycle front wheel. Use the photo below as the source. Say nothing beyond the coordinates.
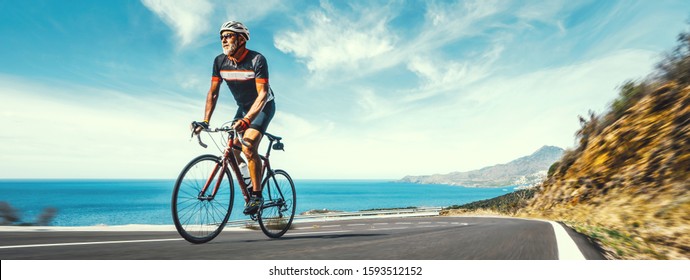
(198, 213)
(278, 210)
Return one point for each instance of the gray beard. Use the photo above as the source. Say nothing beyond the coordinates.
(230, 50)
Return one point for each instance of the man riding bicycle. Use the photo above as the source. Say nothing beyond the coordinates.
(246, 74)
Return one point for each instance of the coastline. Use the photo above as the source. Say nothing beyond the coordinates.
(132, 227)
(240, 224)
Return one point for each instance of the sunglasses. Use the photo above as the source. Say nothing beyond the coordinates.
(227, 36)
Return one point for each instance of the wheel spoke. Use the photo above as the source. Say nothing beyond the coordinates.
(200, 219)
(276, 215)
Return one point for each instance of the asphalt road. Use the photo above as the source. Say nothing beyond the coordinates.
(410, 238)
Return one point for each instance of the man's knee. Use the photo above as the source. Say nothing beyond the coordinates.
(250, 148)
(252, 138)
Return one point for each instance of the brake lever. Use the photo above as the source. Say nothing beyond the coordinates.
(198, 137)
(193, 126)
(239, 136)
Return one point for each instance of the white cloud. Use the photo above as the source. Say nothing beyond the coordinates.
(442, 76)
(475, 91)
(108, 134)
(489, 122)
(189, 19)
(330, 40)
(542, 11)
(248, 11)
(447, 22)
(98, 133)
(373, 107)
(339, 45)
(461, 114)
(194, 19)
(512, 116)
(298, 127)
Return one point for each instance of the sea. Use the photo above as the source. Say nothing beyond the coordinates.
(123, 202)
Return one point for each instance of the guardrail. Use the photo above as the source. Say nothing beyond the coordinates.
(335, 215)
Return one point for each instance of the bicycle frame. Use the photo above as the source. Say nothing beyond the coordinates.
(229, 158)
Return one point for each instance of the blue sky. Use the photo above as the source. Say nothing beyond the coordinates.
(364, 89)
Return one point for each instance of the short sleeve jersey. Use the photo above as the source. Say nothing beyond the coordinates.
(242, 78)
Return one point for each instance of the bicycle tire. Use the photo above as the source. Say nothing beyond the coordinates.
(197, 219)
(278, 209)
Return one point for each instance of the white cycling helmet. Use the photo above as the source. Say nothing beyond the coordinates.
(235, 26)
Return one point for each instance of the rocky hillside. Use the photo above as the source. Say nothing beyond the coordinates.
(522, 171)
(628, 183)
(630, 180)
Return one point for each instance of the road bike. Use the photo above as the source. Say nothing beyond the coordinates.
(203, 196)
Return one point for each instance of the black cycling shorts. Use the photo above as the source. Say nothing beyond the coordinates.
(262, 120)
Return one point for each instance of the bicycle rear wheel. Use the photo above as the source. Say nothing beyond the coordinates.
(278, 210)
(200, 217)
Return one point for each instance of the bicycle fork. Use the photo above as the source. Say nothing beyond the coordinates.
(202, 194)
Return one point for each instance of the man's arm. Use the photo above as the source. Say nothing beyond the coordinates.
(260, 102)
(211, 99)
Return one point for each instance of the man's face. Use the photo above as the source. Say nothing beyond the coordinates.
(229, 42)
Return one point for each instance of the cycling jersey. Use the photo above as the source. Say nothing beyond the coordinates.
(242, 77)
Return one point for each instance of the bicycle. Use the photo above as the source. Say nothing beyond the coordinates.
(201, 204)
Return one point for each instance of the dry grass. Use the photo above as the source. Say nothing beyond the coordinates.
(628, 186)
(625, 234)
(474, 212)
(630, 228)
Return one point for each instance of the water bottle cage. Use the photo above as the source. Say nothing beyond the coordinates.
(248, 182)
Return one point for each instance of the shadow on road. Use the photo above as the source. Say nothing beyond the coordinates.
(321, 236)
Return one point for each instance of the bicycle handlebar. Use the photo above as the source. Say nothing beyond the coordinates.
(230, 130)
(201, 143)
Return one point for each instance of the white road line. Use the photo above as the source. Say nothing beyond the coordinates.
(429, 226)
(356, 225)
(393, 228)
(424, 223)
(331, 226)
(87, 243)
(567, 249)
(401, 223)
(378, 224)
(317, 232)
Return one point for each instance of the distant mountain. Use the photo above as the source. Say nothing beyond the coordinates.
(526, 170)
